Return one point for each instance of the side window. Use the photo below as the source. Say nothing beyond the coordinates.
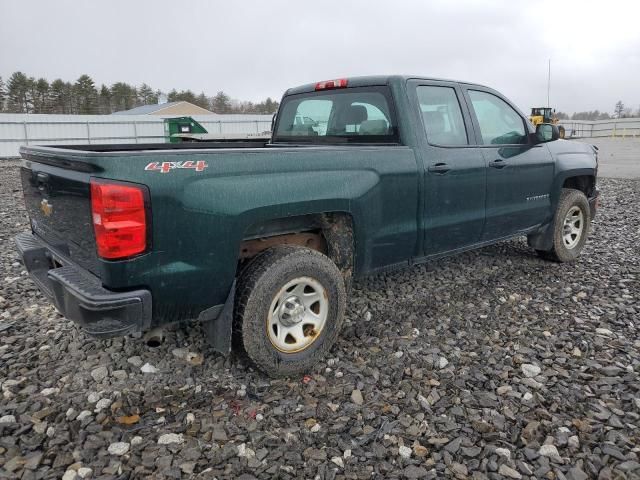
(499, 123)
(442, 116)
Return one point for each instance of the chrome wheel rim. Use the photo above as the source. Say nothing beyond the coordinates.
(573, 227)
(297, 315)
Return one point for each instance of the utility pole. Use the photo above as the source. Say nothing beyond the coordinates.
(549, 84)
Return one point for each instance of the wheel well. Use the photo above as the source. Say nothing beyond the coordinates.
(584, 183)
(329, 233)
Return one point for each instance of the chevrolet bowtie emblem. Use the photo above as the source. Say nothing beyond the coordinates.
(46, 207)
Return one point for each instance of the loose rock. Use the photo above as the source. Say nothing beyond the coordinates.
(530, 370)
(85, 472)
(169, 438)
(356, 397)
(148, 368)
(509, 472)
(550, 451)
(8, 419)
(118, 448)
(99, 373)
(404, 452)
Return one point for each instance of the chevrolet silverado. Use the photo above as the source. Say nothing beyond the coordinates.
(260, 239)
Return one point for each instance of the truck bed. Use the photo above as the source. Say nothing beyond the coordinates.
(199, 145)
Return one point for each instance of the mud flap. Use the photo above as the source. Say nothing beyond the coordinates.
(219, 330)
(542, 239)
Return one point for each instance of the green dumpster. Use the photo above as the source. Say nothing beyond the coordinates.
(174, 127)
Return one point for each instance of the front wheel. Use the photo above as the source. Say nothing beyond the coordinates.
(570, 228)
(289, 308)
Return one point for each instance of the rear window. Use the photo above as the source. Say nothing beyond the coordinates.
(358, 115)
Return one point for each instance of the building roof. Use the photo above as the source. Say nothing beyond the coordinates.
(156, 109)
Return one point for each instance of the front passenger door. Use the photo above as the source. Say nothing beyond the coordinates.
(519, 172)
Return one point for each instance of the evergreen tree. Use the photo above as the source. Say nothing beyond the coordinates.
(183, 96)
(123, 96)
(18, 92)
(619, 110)
(22, 94)
(269, 106)
(146, 95)
(3, 94)
(60, 97)
(86, 96)
(221, 103)
(104, 101)
(202, 101)
(40, 95)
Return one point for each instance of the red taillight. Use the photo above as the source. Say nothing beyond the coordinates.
(119, 219)
(331, 84)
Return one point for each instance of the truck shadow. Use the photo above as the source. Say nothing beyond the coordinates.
(389, 305)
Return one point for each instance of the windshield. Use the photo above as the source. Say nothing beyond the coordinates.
(358, 115)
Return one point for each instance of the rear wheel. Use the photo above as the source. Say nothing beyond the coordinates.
(571, 227)
(289, 309)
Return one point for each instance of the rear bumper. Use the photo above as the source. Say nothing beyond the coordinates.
(80, 296)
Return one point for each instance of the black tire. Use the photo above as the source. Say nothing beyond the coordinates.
(258, 286)
(560, 252)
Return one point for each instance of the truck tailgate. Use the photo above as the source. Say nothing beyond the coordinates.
(57, 198)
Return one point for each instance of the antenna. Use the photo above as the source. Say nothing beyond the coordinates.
(548, 84)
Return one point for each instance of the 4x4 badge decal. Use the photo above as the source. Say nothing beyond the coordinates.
(166, 167)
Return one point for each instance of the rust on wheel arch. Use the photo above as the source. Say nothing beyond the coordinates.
(251, 248)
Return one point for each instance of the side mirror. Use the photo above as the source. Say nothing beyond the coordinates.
(547, 132)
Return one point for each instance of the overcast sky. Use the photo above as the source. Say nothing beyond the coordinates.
(252, 50)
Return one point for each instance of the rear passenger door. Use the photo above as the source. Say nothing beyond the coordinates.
(454, 187)
(519, 173)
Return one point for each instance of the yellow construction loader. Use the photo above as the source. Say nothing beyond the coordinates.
(545, 115)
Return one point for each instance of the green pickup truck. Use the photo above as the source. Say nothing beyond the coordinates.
(260, 239)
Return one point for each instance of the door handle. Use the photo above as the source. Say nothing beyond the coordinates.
(499, 163)
(440, 168)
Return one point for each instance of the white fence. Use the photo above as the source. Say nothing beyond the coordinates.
(22, 129)
(620, 127)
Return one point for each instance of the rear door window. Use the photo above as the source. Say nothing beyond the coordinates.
(442, 116)
(360, 115)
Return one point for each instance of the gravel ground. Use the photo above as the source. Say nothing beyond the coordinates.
(492, 364)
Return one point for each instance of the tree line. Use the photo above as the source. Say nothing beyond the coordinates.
(619, 111)
(24, 94)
